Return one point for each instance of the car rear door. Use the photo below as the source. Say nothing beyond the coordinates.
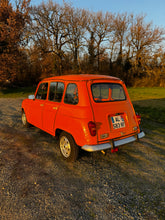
(113, 113)
(52, 105)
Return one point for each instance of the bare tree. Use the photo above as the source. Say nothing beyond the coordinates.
(144, 38)
(98, 28)
(67, 38)
(120, 27)
(50, 32)
(76, 28)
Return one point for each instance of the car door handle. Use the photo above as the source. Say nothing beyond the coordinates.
(41, 105)
(55, 108)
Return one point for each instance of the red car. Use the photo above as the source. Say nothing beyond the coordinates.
(93, 112)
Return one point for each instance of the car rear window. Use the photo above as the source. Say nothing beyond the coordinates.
(107, 92)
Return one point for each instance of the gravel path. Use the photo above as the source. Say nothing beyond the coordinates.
(35, 183)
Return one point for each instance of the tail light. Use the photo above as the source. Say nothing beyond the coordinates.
(138, 118)
(92, 128)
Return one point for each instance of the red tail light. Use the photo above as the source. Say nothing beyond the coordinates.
(92, 128)
(116, 149)
(138, 118)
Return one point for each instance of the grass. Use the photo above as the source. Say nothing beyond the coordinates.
(153, 114)
(149, 102)
(145, 93)
(16, 92)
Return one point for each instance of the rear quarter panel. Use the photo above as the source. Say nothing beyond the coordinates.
(74, 118)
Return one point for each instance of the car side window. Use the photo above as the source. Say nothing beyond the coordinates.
(56, 91)
(42, 91)
(71, 95)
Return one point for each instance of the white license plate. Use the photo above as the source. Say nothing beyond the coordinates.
(118, 122)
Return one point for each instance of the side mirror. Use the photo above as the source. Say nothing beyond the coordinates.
(32, 97)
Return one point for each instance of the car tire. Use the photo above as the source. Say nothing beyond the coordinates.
(24, 120)
(68, 148)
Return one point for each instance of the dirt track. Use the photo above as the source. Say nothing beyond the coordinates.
(35, 183)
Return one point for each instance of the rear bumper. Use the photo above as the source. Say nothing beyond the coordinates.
(113, 144)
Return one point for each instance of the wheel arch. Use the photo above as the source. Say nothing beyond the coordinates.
(58, 131)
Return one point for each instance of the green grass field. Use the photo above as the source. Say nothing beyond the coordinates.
(149, 102)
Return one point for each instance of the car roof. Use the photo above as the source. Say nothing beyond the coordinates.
(82, 77)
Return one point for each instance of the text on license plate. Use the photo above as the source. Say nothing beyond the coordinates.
(118, 122)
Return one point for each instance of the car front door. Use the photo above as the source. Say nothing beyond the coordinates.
(37, 106)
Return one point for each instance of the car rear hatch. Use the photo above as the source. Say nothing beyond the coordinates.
(113, 112)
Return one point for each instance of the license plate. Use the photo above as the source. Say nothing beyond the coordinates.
(118, 122)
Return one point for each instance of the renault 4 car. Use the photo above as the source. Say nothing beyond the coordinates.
(91, 112)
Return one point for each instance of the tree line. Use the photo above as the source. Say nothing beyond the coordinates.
(52, 39)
